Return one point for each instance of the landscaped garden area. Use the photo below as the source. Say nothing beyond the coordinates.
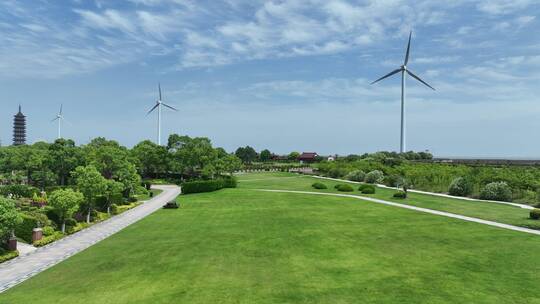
(49, 191)
(244, 245)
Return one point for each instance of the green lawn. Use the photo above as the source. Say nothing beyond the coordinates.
(246, 246)
(484, 210)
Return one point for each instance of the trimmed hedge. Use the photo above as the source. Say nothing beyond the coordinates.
(7, 255)
(319, 186)
(367, 189)
(344, 188)
(29, 222)
(24, 229)
(18, 190)
(400, 194)
(535, 214)
(200, 186)
(49, 239)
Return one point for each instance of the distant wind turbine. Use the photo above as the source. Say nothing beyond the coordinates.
(158, 105)
(59, 117)
(404, 71)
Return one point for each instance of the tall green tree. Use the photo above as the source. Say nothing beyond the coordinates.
(265, 155)
(92, 184)
(247, 154)
(9, 218)
(152, 159)
(113, 193)
(65, 202)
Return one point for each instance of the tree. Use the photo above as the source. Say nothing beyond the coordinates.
(247, 154)
(65, 202)
(92, 184)
(293, 156)
(229, 164)
(65, 157)
(9, 218)
(113, 193)
(152, 158)
(265, 155)
(190, 156)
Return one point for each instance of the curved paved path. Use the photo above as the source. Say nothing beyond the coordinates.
(420, 209)
(23, 267)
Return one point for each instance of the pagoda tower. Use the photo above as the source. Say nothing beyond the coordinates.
(19, 129)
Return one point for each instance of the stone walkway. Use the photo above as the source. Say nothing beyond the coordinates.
(442, 213)
(25, 249)
(23, 267)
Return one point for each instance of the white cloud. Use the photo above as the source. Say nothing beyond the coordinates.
(503, 6)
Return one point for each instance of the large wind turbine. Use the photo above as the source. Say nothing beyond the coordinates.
(59, 117)
(404, 71)
(158, 105)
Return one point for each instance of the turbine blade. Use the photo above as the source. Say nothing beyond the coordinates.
(418, 78)
(387, 75)
(67, 121)
(61, 105)
(53, 120)
(408, 49)
(153, 108)
(159, 87)
(170, 107)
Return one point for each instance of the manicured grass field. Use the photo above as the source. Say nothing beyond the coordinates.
(484, 210)
(246, 246)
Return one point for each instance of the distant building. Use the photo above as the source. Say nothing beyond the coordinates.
(332, 157)
(19, 129)
(308, 157)
(276, 157)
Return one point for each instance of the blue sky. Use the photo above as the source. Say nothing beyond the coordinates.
(283, 75)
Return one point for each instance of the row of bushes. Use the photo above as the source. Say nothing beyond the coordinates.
(49, 239)
(208, 185)
(7, 255)
(364, 188)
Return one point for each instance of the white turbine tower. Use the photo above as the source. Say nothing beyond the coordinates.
(404, 71)
(158, 105)
(59, 117)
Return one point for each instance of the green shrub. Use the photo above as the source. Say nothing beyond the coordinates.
(367, 189)
(460, 187)
(344, 188)
(7, 255)
(374, 177)
(24, 229)
(535, 214)
(49, 239)
(48, 231)
(123, 208)
(356, 176)
(114, 208)
(400, 194)
(133, 199)
(140, 190)
(77, 228)
(229, 182)
(208, 185)
(497, 191)
(319, 186)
